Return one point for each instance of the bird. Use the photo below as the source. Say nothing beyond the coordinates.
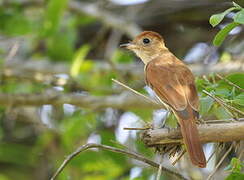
(174, 84)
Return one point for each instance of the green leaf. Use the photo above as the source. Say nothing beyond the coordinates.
(205, 104)
(237, 78)
(171, 121)
(221, 113)
(219, 38)
(235, 176)
(222, 92)
(239, 99)
(78, 60)
(14, 23)
(236, 5)
(54, 12)
(239, 17)
(236, 165)
(60, 46)
(122, 57)
(15, 153)
(217, 18)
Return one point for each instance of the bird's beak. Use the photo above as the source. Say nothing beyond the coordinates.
(129, 45)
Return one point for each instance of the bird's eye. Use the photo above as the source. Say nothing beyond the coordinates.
(146, 40)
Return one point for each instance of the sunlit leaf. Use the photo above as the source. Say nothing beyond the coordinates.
(54, 12)
(217, 18)
(236, 165)
(239, 17)
(222, 113)
(205, 104)
(87, 66)
(3, 177)
(236, 5)
(78, 60)
(219, 38)
(222, 92)
(171, 121)
(239, 99)
(236, 78)
(235, 176)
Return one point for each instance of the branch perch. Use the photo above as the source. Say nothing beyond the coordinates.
(222, 132)
(113, 149)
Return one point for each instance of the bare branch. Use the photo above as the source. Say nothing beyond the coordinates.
(125, 100)
(136, 69)
(113, 149)
(112, 20)
(222, 132)
(17, 68)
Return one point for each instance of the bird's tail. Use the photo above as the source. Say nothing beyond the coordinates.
(187, 121)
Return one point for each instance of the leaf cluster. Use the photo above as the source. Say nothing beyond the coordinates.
(238, 19)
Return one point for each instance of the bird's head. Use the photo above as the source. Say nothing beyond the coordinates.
(146, 45)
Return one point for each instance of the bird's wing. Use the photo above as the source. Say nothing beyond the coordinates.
(173, 83)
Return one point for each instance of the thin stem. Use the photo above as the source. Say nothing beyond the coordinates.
(113, 149)
(229, 82)
(134, 91)
(220, 101)
(179, 157)
(220, 162)
(127, 128)
(160, 168)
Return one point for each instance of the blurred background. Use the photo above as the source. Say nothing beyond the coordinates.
(57, 58)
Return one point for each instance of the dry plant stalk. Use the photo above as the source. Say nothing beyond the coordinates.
(117, 150)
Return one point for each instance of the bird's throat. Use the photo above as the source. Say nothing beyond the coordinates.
(147, 57)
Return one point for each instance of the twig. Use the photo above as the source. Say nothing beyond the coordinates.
(223, 120)
(160, 168)
(146, 128)
(220, 101)
(113, 149)
(219, 163)
(229, 82)
(179, 157)
(241, 153)
(215, 150)
(134, 91)
(13, 51)
(109, 19)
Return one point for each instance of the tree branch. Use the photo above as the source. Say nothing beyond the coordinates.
(113, 149)
(125, 100)
(112, 20)
(44, 67)
(222, 132)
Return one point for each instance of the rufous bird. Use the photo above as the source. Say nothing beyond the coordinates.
(174, 84)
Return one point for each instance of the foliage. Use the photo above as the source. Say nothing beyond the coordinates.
(238, 19)
(224, 90)
(235, 166)
(35, 140)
